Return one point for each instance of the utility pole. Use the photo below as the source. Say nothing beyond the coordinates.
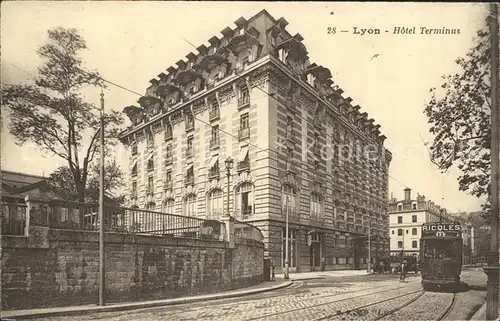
(102, 270)
(369, 246)
(492, 270)
(287, 276)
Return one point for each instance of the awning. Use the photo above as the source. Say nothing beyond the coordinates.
(189, 167)
(134, 162)
(214, 160)
(243, 154)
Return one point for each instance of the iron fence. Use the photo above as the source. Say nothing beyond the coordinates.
(13, 219)
(60, 214)
(245, 231)
(157, 223)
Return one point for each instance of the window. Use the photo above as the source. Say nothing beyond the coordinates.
(316, 205)
(407, 231)
(190, 146)
(245, 61)
(214, 140)
(168, 206)
(414, 231)
(414, 218)
(191, 90)
(392, 232)
(244, 122)
(400, 220)
(400, 231)
(400, 207)
(414, 206)
(150, 206)
(150, 184)
(215, 203)
(244, 199)
(400, 245)
(151, 164)
(134, 148)
(288, 199)
(215, 104)
(134, 189)
(289, 127)
(414, 244)
(190, 205)
(149, 138)
(134, 170)
(168, 151)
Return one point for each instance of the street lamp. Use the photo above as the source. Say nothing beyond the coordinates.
(229, 166)
(286, 277)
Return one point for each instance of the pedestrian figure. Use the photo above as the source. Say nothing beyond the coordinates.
(402, 275)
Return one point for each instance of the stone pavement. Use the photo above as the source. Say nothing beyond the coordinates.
(111, 307)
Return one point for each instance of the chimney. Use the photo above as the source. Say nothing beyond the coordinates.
(407, 194)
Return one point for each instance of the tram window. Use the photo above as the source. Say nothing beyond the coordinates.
(441, 249)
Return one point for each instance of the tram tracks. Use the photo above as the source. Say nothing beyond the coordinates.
(333, 299)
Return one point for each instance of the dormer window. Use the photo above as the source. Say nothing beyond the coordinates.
(414, 206)
(134, 148)
(400, 207)
(242, 31)
(149, 138)
(311, 79)
(245, 61)
(191, 90)
(282, 54)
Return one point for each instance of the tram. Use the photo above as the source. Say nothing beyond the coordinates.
(441, 254)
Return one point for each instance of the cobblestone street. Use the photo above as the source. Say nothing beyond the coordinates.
(347, 298)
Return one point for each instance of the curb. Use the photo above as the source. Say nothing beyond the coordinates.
(480, 313)
(138, 305)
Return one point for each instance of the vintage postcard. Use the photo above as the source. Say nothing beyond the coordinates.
(249, 160)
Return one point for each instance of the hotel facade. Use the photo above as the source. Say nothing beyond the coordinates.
(300, 149)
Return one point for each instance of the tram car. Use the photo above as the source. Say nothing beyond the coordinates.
(441, 255)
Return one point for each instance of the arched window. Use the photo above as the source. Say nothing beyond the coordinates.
(215, 202)
(244, 199)
(316, 204)
(150, 206)
(168, 206)
(289, 199)
(190, 205)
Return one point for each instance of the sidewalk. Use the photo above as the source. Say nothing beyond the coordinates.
(84, 309)
(322, 274)
(481, 314)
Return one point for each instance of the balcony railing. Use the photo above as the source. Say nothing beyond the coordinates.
(293, 213)
(168, 184)
(316, 149)
(244, 165)
(214, 114)
(189, 180)
(243, 212)
(244, 133)
(243, 101)
(169, 160)
(213, 173)
(317, 220)
(189, 152)
(134, 149)
(291, 137)
(150, 191)
(317, 122)
(214, 143)
(189, 125)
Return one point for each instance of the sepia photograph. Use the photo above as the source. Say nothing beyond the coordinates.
(239, 160)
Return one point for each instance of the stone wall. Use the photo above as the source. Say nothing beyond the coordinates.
(61, 267)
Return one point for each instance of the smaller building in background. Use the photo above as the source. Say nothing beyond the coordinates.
(15, 186)
(405, 221)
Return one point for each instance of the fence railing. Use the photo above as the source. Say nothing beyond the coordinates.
(13, 219)
(85, 216)
(245, 231)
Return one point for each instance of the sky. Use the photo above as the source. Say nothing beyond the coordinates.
(130, 43)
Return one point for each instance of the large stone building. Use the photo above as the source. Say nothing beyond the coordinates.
(406, 218)
(297, 145)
